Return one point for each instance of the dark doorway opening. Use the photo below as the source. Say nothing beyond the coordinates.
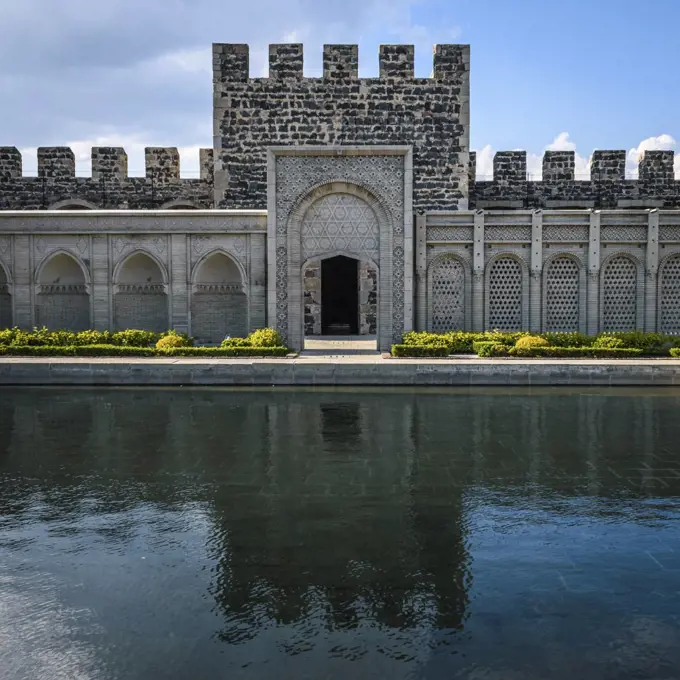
(339, 296)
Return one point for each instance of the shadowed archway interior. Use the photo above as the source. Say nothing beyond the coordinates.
(340, 296)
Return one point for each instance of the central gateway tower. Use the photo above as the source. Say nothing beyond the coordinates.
(341, 163)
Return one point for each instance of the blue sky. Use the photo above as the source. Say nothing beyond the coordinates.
(578, 75)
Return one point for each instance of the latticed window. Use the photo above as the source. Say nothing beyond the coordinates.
(448, 295)
(562, 295)
(619, 295)
(505, 295)
(669, 300)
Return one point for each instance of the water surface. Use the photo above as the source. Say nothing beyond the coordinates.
(331, 534)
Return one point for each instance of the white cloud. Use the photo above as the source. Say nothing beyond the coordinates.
(562, 142)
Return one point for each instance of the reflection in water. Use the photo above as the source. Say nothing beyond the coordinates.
(168, 533)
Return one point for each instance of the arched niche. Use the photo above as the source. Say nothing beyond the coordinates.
(73, 204)
(5, 299)
(140, 297)
(62, 293)
(219, 304)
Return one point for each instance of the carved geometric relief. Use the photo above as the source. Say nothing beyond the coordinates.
(505, 295)
(623, 233)
(500, 234)
(562, 296)
(619, 294)
(669, 232)
(340, 222)
(448, 295)
(669, 297)
(449, 234)
(562, 232)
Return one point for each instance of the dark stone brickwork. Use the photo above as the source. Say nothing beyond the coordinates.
(607, 187)
(432, 114)
(109, 187)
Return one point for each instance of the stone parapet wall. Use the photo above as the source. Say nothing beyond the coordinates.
(287, 109)
(607, 187)
(110, 187)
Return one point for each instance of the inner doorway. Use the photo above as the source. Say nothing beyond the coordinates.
(339, 296)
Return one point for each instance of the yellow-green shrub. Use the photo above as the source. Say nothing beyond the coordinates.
(265, 337)
(171, 340)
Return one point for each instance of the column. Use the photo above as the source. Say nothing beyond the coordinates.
(593, 291)
(478, 272)
(536, 270)
(652, 271)
(179, 283)
(421, 272)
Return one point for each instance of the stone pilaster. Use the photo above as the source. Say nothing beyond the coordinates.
(23, 281)
(257, 283)
(100, 268)
(652, 271)
(421, 272)
(535, 301)
(593, 280)
(478, 272)
(179, 283)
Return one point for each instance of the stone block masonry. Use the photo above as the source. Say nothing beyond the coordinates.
(110, 187)
(431, 114)
(510, 188)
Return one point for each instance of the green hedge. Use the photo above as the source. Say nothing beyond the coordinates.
(43, 337)
(466, 342)
(419, 351)
(675, 352)
(577, 352)
(123, 351)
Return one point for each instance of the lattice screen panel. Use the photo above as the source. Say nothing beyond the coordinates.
(619, 295)
(448, 295)
(505, 295)
(669, 300)
(562, 296)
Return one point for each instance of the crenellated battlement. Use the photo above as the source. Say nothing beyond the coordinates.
(607, 186)
(231, 63)
(109, 185)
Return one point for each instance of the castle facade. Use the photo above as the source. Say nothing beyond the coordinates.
(339, 204)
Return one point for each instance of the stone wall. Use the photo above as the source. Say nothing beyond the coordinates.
(431, 114)
(57, 186)
(656, 186)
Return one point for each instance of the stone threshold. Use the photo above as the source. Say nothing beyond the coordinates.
(335, 370)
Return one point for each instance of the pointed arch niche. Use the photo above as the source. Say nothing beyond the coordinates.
(62, 300)
(219, 304)
(140, 298)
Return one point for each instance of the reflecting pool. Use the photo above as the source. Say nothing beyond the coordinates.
(294, 534)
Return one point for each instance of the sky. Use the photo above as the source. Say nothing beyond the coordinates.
(577, 74)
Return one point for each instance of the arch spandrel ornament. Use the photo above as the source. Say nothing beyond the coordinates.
(377, 176)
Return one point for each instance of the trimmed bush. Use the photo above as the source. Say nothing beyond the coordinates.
(419, 351)
(531, 341)
(135, 338)
(265, 337)
(675, 352)
(236, 342)
(568, 339)
(225, 352)
(491, 349)
(125, 351)
(577, 352)
(608, 342)
(171, 340)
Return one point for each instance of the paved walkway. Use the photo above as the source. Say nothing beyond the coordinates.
(340, 345)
